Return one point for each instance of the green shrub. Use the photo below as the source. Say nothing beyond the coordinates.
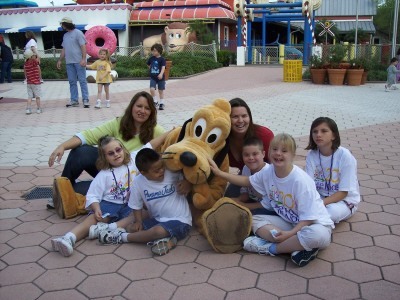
(224, 57)
(377, 75)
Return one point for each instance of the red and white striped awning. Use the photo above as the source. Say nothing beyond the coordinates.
(145, 12)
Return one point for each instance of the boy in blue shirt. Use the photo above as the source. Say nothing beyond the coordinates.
(156, 64)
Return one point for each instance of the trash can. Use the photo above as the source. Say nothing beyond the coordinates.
(292, 70)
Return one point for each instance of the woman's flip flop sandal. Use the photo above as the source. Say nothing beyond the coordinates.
(162, 246)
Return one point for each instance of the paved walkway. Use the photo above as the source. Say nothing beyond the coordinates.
(362, 262)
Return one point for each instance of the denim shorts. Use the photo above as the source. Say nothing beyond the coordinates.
(175, 228)
(160, 83)
(116, 211)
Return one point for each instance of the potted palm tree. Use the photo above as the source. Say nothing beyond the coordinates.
(337, 70)
(355, 72)
(317, 70)
(366, 65)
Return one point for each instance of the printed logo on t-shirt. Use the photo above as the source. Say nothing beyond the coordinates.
(322, 182)
(164, 192)
(155, 68)
(283, 204)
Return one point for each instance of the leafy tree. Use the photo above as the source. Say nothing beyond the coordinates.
(384, 18)
(203, 32)
(361, 36)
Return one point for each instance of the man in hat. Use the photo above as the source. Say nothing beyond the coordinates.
(74, 52)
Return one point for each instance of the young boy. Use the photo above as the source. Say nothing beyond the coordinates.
(253, 157)
(391, 75)
(31, 67)
(155, 188)
(156, 64)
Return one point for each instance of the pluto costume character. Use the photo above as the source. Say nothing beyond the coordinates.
(222, 221)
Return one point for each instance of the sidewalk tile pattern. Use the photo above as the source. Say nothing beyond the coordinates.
(363, 261)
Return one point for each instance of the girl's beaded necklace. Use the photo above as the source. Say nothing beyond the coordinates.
(119, 189)
(327, 183)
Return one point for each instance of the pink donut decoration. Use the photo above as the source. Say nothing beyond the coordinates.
(105, 38)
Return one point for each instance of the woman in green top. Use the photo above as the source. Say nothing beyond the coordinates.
(135, 128)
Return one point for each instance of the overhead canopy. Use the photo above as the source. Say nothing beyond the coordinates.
(149, 12)
(31, 28)
(346, 26)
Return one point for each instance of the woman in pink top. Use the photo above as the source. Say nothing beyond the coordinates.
(242, 127)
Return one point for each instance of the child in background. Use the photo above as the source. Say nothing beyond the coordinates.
(253, 157)
(31, 67)
(333, 169)
(103, 76)
(108, 194)
(302, 225)
(156, 64)
(391, 75)
(155, 188)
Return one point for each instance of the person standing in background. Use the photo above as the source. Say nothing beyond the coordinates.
(74, 52)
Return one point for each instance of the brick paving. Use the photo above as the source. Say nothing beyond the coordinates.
(362, 262)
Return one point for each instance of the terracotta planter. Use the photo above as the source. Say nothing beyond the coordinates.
(336, 76)
(364, 77)
(168, 65)
(354, 76)
(318, 76)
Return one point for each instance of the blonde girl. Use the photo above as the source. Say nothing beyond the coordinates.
(103, 76)
(108, 194)
(333, 169)
(302, 225)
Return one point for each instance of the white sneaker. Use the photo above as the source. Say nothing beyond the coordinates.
(98, 104)
(257, 245)
(156, 104)
(39, 111)
(24, 82)
(108, 103)
(386, 88)
(94, 230)
(28, 111)
(63, 245)
(111, 236)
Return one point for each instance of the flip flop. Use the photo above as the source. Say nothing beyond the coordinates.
(163, 246)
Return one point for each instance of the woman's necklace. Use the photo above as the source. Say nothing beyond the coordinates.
(327, 183)
(119, 189)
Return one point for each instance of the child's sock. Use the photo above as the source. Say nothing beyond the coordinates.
(161, 101)
(71, 236)
(124, 237)
(112, 226)
(272, 249)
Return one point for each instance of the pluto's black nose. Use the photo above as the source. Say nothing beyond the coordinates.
(188, 159)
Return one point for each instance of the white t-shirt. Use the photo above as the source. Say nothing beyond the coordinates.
(105, 187)
(294, 198)
(31, 43)
(161, 199)
(344, 173)
(253, 195)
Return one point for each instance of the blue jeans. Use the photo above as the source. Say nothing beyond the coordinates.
(5, 70)
(75, 73)
(82, 158)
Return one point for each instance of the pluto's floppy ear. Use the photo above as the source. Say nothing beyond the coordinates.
(183, 130)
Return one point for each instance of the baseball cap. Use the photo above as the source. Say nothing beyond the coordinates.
(28, 53)
(66, 20)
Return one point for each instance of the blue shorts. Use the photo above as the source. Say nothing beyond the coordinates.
(175, 228)
(116, 211)
(160, 83)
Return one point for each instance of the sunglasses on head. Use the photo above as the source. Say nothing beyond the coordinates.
(116, 151)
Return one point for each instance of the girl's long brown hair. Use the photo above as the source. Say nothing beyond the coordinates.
(127, 126)
(30, 35)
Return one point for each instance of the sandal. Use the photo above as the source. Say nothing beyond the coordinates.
(162, 246)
